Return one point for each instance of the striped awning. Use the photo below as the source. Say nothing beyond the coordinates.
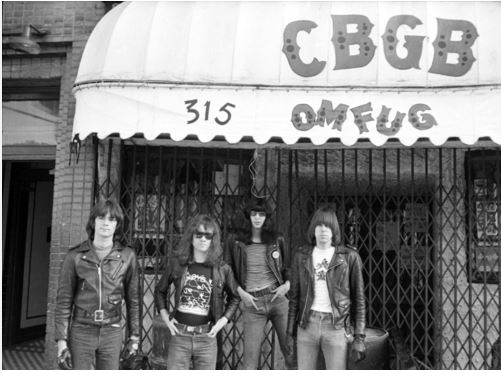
(293, 70)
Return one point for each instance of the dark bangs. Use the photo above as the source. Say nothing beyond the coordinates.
(324, 216)
(101, 209)
(257, 204)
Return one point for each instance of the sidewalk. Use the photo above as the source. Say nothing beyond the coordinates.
(27, 355)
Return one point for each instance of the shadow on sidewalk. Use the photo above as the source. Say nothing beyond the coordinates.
(24, 356)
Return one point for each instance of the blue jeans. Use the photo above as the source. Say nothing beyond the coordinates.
(254, 324)
(184, 347)
(91, 344)
(321, 334)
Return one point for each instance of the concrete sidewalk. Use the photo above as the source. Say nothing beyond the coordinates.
(24, 356)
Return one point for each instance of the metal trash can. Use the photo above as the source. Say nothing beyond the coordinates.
(376, 343)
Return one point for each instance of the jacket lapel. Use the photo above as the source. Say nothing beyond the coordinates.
(307, 261)
(337, 258)
(87, 253)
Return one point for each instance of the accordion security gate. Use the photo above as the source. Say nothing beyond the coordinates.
(425, 222)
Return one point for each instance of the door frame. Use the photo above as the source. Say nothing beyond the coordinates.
(21, 187)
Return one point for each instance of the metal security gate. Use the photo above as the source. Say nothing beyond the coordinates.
(425, 222)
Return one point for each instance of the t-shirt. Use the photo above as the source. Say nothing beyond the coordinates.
(321, 261)
(194, 302)
(259, 274)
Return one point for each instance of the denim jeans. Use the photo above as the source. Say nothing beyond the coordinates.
(254, 324)
(321, 334)
(184, 347)
(91, 344)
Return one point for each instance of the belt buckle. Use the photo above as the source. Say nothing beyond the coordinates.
(190, 328)
(98, 315)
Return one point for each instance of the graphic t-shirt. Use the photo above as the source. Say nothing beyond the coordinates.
(321, 260)
(194, 303)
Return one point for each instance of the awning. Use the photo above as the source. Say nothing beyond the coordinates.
(293, 70)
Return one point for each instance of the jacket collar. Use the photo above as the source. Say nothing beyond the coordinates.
(338, 257)
(86, 246)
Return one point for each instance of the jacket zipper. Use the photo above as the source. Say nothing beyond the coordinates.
(327, 280)
(100, 286)
(117, 270)
(306, 300)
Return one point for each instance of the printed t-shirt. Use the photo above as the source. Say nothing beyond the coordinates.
(194, 302)
(321, 261)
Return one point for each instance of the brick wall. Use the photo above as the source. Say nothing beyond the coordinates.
(70, 24)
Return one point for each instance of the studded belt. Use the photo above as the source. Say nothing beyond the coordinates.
(200, 329)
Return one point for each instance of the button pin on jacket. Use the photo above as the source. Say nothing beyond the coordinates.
(275, 255)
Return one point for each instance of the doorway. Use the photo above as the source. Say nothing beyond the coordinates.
(27, 218)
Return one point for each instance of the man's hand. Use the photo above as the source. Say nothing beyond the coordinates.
(133, 344)
(218, 326)
(169, 322)
(247, 298)
(358, 348)
(281, 291)
(63, 355)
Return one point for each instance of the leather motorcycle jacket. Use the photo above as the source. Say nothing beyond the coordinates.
(222, 279)
(277, 257)
(344, 283)
(92, 291)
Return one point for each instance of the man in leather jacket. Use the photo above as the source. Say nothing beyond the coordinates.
(201, 278)
(326, 295)
(260, 259)
(97, 276)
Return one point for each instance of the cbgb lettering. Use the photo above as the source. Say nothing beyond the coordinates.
(452, 56)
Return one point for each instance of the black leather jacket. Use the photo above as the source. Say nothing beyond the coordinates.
(235, 253)
(222, 278)
(86, 285)
(345, 285)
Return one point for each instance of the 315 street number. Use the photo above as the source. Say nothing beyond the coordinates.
(224, 113)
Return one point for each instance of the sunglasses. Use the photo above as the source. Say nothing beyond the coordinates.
(261, 214)
(207, 235)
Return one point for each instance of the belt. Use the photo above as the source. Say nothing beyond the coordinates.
(263, 292)
(200, 329)
(99, 317)
(321, 313)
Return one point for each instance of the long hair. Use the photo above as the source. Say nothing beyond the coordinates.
(327, 216)
(184, 249)
(268, 233)
(101, 209)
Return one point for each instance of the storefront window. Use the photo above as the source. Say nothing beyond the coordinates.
(29, 121)
(483, 169)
